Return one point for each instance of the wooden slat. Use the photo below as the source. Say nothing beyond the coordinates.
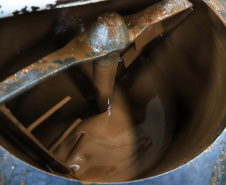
(64, 135)
(48, 114)
(18, 129)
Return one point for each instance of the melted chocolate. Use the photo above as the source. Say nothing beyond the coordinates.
(131, 134)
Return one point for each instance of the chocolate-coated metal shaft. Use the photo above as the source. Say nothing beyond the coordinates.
(104, 71)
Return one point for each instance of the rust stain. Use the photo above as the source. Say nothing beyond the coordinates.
(156, 13)
(112, 21)
(219, 171)
(79, 50)
(22, 183)
(214, 176)
(2, 180)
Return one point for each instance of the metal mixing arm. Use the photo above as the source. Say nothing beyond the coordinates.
(110, 33)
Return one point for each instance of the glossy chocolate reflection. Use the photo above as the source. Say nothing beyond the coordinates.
(110, 146)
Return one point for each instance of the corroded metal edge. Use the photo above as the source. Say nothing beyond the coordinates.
(219, 7)
(208, 168)
(10, 7)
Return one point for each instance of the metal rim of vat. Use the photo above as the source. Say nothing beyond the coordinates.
(197, 171)
(11, 8)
